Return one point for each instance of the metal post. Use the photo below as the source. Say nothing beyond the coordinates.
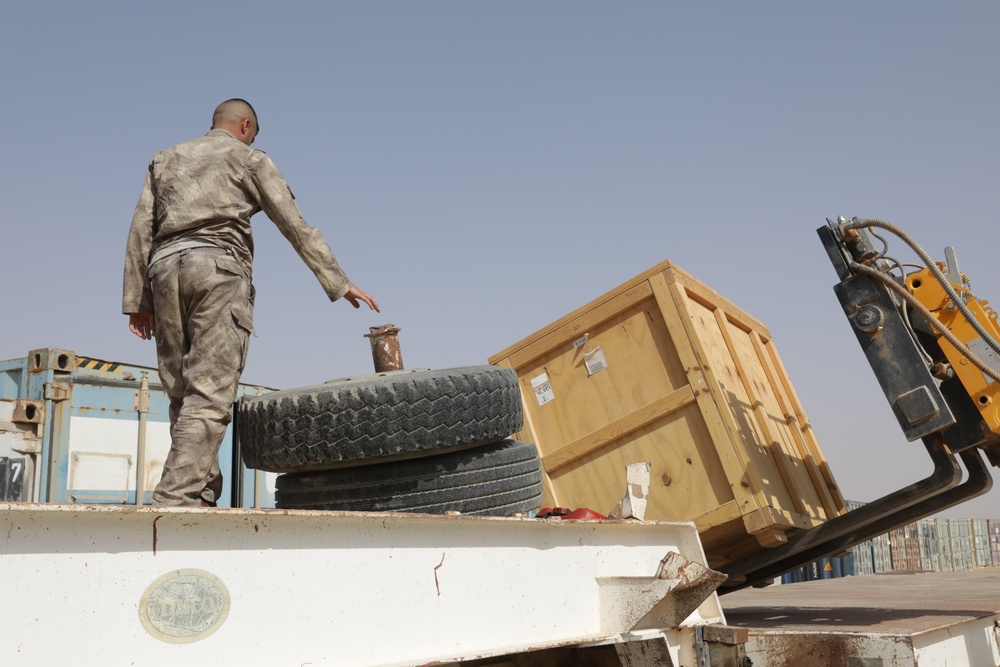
(385, 348)
(142, 407)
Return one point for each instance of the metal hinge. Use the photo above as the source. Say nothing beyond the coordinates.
(56, 391)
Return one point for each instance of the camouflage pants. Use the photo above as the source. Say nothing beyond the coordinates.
(203, 303)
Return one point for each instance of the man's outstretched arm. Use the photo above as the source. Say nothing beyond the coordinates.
(355, 296)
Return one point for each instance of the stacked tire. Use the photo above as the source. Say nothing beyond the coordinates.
(427, 441)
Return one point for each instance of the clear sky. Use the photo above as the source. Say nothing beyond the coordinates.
(484, 168)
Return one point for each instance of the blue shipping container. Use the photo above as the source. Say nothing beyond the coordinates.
(69, 433)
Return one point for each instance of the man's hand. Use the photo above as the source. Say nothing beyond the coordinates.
(141, 324)
(356, 296)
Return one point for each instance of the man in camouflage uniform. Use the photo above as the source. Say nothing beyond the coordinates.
(188, 261)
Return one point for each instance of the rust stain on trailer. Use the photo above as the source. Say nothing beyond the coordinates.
(436, 567)
(818, 649)
(154, 532)
(154, 469)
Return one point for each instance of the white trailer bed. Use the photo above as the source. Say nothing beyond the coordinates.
(120, 585)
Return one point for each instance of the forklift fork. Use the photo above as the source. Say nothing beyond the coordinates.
(937, 411)
(935, 493)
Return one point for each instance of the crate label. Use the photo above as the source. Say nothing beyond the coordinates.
(543, 390)
(581, 340)
(595, 360)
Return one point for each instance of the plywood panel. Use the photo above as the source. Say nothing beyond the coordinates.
(619, 429)
(778, 408)
(686, 472)
(722, 378)
(642, 368)
(796, 416)
(775, 433)
(743, 481)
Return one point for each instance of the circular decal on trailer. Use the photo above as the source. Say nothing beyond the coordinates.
(184, 606)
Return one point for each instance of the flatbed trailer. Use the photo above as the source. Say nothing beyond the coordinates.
(114, 584)
(915, 619)
(120, 585)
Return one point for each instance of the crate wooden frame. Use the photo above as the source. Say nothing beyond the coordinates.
(690, 375)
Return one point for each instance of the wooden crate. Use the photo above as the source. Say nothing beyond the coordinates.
(691, 384)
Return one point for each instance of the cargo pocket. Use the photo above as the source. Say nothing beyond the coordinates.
(243, 322)
(226, 263)
(242, 304)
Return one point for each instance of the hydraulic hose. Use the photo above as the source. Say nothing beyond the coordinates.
(886, 280)
(945, 284)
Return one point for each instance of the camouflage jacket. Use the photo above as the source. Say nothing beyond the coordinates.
(206, 190)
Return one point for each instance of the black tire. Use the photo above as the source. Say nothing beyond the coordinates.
(492, 480)
(375, 418)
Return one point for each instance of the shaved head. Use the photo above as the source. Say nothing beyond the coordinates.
(233, 111)
(238, 117)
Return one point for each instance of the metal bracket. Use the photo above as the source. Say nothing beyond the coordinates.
(659, 602)
(909, 387)
(721, 646)
(51, 359)
(28, 412)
